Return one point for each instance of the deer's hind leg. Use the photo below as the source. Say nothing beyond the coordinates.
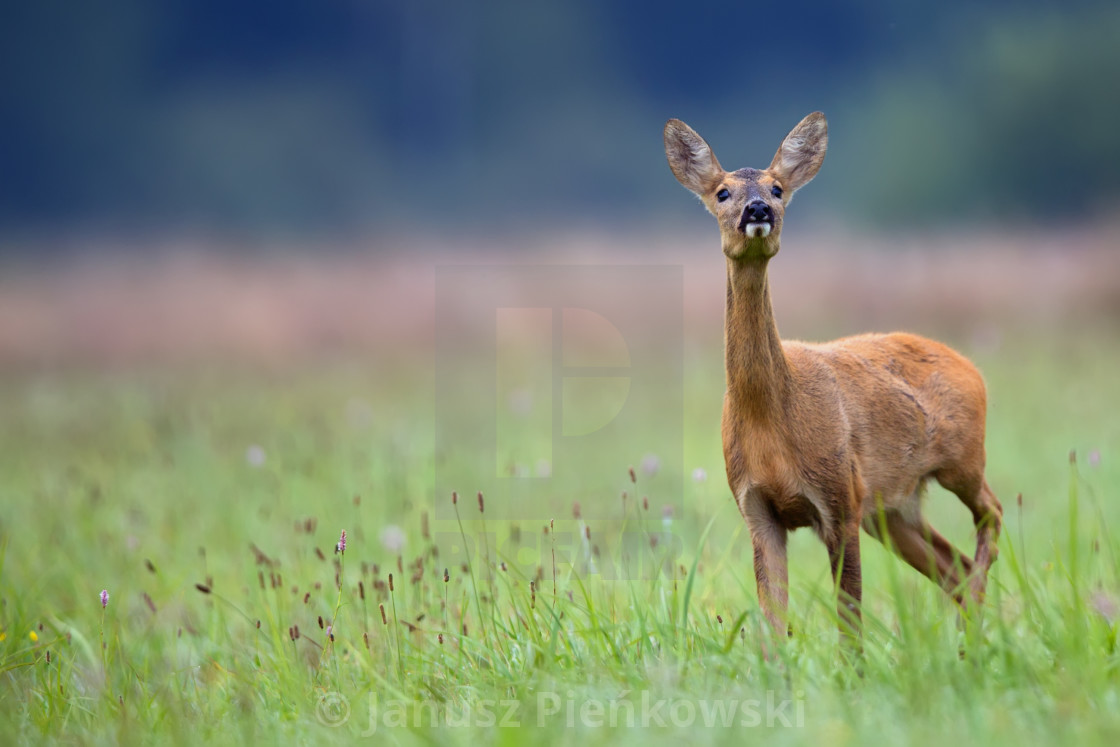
(987, 516)
(924, 549)
(928, 552)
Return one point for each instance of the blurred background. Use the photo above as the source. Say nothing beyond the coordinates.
(337, 118)
(262, 178)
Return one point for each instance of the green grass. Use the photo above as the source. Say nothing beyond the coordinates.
(139, 483)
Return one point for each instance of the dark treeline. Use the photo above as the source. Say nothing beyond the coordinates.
(328, 116)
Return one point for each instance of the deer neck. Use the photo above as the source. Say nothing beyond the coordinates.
(759, 381)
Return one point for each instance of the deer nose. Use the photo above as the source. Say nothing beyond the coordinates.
(758, 212)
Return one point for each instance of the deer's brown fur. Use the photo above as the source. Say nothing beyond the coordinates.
(838, 435)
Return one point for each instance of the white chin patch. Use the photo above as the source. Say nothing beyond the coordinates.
(758, 230)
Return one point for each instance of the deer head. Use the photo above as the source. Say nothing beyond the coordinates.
(749, 203)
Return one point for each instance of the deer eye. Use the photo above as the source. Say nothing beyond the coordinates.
(722, 195)
(776, 191)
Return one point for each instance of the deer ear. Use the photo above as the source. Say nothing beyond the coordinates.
(802, 152)
(690, 158)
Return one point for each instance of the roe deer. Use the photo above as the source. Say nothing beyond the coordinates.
(838, 435)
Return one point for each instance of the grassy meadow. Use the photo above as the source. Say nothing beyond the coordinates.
(208, 499)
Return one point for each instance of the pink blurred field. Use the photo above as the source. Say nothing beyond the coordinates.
(178, 302)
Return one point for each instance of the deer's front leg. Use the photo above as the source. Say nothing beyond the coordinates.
(771, 571)
(843, 554)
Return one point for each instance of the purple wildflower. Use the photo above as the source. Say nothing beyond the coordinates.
(104, 598)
